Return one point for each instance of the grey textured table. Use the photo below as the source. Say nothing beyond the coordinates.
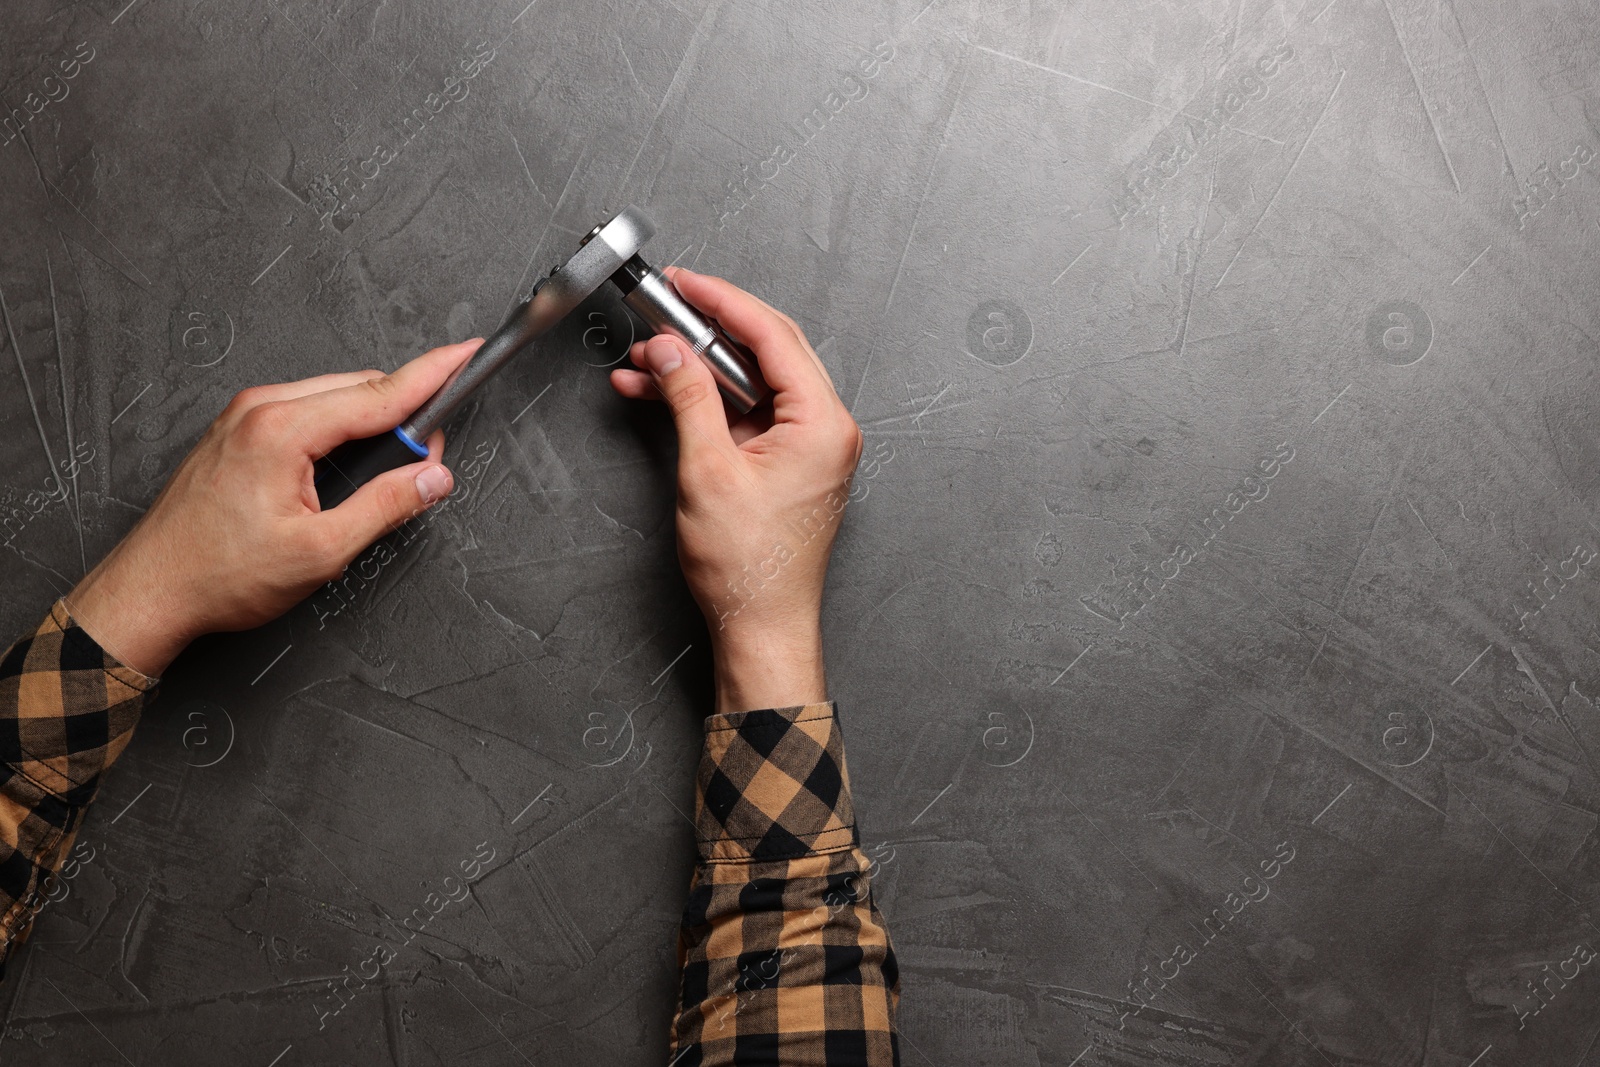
(1213, 626)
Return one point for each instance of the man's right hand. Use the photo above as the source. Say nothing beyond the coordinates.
(759, 498)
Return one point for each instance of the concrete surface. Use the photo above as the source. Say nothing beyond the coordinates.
(1213, 628)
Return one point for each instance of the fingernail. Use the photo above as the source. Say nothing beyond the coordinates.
(662, 356)
(433, 483)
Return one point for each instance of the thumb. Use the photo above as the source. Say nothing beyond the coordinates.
(386, 503)
(685, 382)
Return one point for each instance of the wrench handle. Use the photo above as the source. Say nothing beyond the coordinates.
(355, 463)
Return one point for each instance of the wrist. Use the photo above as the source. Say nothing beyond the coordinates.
(769, 668)
(130, 624)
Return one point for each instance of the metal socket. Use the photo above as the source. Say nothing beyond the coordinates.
(652, 297)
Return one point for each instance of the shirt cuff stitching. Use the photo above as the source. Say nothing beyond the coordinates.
(20, 772)
(758, 837)
(724, 729)
(831, 850)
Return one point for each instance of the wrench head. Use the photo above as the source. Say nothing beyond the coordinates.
(601, 255)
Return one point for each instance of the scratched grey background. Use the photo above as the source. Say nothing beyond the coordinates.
(1077, 309)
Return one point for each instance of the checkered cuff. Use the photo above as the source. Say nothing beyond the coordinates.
(67, 710)
(773, 785)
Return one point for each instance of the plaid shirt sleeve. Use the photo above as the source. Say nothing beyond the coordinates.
(785, 957)
(67, 710)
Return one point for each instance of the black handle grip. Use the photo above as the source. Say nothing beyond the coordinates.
(355, 463)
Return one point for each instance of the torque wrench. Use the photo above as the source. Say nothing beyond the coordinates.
(609, 251)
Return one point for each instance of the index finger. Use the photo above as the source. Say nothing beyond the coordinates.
(328, 419)
(320, 384)
(805, 343)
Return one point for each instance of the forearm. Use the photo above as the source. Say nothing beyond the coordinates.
(67, 710)
(785, 955)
